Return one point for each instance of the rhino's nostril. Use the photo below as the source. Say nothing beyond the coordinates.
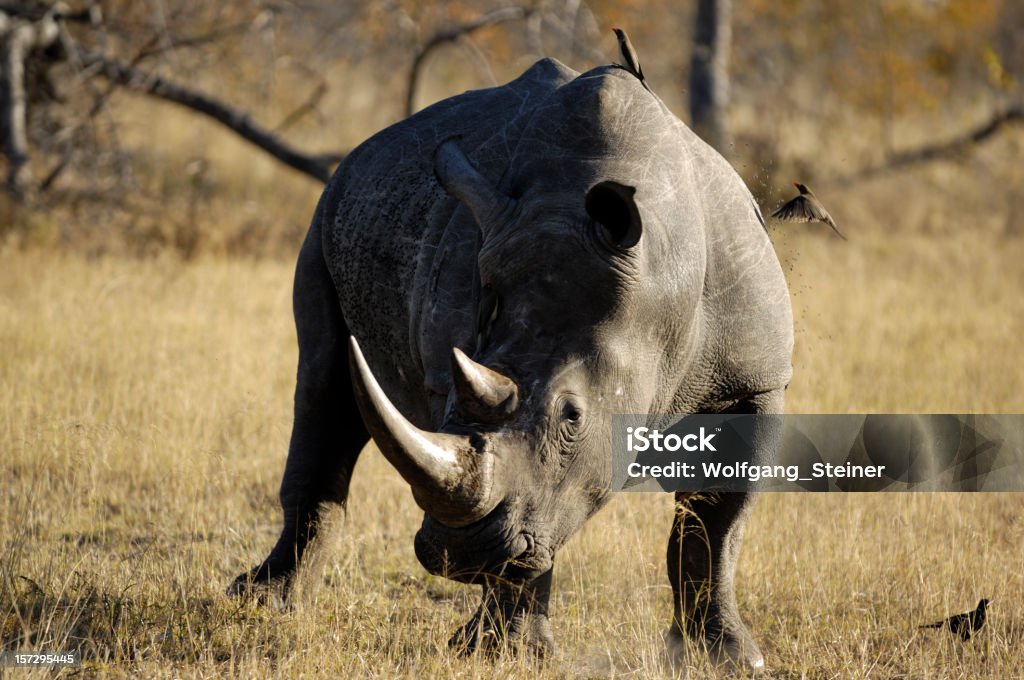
(529, 543)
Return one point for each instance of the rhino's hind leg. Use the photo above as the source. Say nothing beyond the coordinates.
(703, 549)
(328, 432)
(510, 618)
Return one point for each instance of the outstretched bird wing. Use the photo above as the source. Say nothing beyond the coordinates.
(805, 209)
(796, 210)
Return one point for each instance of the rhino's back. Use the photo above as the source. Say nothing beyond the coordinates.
(385, 215)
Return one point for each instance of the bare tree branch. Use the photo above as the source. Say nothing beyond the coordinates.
(163, 43)
(25, 28)
(309, 104)
(952, 147)
(116, 71)
(453, 33)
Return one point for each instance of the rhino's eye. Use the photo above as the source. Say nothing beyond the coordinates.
(570, 427)
(571, 413)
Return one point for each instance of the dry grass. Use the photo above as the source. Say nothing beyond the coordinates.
(144, 422)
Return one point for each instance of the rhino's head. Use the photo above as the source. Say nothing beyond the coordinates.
(564, 340)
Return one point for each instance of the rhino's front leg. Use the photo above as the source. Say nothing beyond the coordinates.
(703, 549)
(512, 617)
(702, 553)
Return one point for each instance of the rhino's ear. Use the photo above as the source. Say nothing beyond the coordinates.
(460, 179)
(612, 205)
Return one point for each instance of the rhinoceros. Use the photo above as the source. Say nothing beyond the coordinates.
(486, 283)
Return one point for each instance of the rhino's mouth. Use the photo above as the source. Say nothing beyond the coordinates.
(494, 546)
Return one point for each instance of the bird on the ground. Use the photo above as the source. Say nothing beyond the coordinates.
(964, 624)
(630, 61)
(806, 208)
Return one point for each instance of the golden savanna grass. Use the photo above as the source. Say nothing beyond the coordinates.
(144, 425)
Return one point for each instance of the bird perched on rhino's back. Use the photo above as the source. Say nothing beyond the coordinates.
(806, 208)
(964, 624)
(630, 61)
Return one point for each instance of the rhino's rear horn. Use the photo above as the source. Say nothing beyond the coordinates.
(464, 182)
(449, 479)
(482, 394)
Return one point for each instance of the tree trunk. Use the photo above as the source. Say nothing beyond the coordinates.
(15, 45)
(709, 73)
(18, 37)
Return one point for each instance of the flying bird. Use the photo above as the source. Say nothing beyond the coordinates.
(806, 208)
(964, 624)
(630, 61)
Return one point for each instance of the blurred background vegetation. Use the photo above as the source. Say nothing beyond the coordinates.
(901, 114)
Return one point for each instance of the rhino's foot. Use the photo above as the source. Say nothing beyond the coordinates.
(496, 632)
(732, 646)
(511, 619)
(268, 582)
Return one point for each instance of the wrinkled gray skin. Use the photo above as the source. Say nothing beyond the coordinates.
(588, 255)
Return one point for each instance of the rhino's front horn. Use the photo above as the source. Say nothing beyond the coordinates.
(482, 394)
(449, 478)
